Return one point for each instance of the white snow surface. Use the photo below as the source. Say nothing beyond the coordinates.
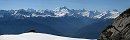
(37, 36)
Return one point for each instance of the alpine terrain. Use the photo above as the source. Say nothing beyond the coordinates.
(119, 29)
(61, 21)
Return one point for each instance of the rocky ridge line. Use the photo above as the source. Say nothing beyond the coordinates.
(119, 29)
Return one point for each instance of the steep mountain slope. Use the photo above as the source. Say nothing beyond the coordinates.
(119, 29)
(93, 30)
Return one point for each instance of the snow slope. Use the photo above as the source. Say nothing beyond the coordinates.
(37, 36)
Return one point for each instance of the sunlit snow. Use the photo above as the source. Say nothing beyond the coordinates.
(37, 36)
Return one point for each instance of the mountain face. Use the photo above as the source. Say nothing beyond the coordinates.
(61, 21)
(119, 29)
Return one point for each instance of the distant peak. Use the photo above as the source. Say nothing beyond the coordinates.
(64, 7)
(115, 10)
(60, 8)
(84, 9)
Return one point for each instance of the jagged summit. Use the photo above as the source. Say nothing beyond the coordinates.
(64, 7)
(60, 8)
(115, 10)
(61, 11)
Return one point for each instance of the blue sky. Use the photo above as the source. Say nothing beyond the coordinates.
(72, 4)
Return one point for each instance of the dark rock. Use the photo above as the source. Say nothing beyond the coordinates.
(119, 29)
(32, 31)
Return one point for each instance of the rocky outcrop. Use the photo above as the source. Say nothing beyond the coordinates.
(119, 29)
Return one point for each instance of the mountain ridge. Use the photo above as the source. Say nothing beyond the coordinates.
(60, 12)
(119, 29)
(62, 21)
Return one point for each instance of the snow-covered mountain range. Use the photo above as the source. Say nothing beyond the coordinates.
(61, 21)
(60, 12)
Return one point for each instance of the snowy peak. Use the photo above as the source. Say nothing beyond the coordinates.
(115, 10)
(85, 12)
(108, 14)
(31, 10)
(64, 7)
(112, 14)
(61, 11)
(61, 8)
